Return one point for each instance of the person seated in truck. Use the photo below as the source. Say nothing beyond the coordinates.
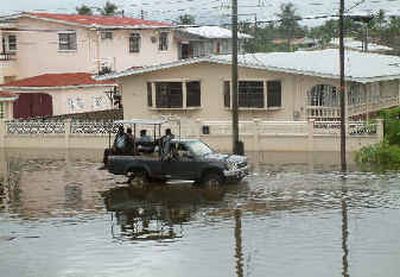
(120, 141)
(130, 143)
(144, 143)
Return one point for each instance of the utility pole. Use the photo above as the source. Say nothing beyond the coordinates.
(234, 81)
(342, 90)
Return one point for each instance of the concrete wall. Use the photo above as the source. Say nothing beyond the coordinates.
(256, 135)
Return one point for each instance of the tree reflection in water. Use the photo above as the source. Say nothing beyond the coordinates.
(154, 213)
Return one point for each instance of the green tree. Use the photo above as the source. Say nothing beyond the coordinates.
(186, 19)
(84, 10)
(289, 23)
(109, 9)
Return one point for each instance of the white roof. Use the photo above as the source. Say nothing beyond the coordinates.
(359, 66)
(213, 32)
(351, 43)
(141, 121)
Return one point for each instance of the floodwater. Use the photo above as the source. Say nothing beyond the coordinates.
(295, 216)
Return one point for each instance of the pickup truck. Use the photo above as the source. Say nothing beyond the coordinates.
(191, 160)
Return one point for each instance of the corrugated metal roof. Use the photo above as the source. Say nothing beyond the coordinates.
(213, 32)
(360, 66)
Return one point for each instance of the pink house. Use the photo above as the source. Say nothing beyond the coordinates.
(35, 43)
(38, 43)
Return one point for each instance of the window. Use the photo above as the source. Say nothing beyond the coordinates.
(163, 41)
(324, 95)
(193, 94)
(12, 42)
(106, 35)
(134, 43)
(218, 47)
(67, 41)
(274, 94)
(251, 94)
(2, 110)
(169, 95)
(75, 104)
(227, 94)
(172, 94)
(149, 95)
(99, 102)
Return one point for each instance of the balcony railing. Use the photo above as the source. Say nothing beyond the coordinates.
(333, 113)
(7, 56)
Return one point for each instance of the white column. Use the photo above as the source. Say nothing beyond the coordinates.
(310, 144)
(184, 94)
(153, 95)
(2, 132)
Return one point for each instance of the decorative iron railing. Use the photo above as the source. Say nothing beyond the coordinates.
(93, 127)
(354, 128)
(32, 127)
(7, 56)
(215, 128)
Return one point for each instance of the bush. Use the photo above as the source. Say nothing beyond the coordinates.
(391, 125)
(382, 156)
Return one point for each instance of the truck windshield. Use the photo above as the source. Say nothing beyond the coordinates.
(199, 148)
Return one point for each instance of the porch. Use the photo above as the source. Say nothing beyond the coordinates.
(323, 101)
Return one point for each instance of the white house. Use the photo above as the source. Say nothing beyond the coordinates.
(273, 86)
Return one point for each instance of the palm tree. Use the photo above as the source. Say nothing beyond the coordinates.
(288, 22)
(109, 9)
(186, 19)
(84, 10)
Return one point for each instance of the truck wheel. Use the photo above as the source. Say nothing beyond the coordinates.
(138, 178)
(212, 181)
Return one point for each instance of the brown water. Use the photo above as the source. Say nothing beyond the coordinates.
(295, 216)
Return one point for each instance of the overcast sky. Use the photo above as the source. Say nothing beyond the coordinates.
(205, 10)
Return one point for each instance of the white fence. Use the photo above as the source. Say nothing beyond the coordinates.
(257, 135)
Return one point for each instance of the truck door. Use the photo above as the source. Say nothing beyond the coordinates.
(181, 165)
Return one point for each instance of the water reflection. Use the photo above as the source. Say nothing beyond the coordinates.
(345, 231)
(156, 213)
(238, 243)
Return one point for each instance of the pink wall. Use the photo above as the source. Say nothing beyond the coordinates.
(38, 51)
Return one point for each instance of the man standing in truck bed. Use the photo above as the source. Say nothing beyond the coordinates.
(165, 145)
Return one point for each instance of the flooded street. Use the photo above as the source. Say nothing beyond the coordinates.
(295, 216)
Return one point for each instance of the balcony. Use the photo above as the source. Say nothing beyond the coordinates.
(7, 66)
(353, 110)
(7, 56)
